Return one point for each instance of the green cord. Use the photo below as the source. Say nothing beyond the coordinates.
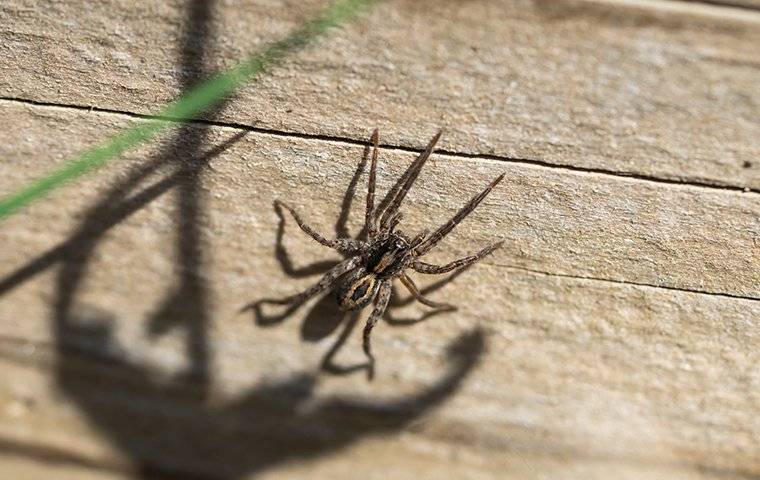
(189, 105)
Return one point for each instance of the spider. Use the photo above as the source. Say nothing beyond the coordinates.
(370, 266)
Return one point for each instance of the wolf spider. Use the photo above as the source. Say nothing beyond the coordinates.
(370, 266)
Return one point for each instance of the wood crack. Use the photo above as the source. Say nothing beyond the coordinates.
(399, 148)
(728, 4)
(624, 282)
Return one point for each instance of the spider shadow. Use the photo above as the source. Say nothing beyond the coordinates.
(166, 427)
(324, 317)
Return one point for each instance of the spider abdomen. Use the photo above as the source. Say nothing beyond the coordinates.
(357, 290)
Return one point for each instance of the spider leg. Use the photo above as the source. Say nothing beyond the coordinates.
(444, 229)
(324, 283)
(347, 246)
(381, 303)
(423, 267)
(409, 284)
(393, 222)
(419, 238)
(369, 223)
(401, 188)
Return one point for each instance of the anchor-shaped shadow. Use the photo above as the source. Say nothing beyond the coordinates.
(166, 428)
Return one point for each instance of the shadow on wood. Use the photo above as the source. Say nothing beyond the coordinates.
(167, 428)
(325, 316)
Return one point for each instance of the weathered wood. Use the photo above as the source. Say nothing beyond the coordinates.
(614, 336)
(578, 378)
(660, 89)
(569, 223)
(750, 4)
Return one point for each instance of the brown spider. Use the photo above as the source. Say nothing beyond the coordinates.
(371, 265)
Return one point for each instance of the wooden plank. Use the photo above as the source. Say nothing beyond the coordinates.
(578, 377)
(568, 223)
(23, 468)
(658, 89)
(750, 4)
(529, 429)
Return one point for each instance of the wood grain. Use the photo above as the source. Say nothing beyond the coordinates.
(615, 335)
(125, 350)
(657, 89)
(749, 4)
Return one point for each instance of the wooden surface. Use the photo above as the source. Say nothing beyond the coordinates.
(615, 335)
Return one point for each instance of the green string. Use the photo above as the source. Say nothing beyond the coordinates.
(189, 105)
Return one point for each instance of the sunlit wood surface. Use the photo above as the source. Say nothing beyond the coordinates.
(615, 335)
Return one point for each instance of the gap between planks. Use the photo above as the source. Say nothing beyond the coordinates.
(399, 148)
(746, 5)
(622, 282)
(58, 456)
(734, 9)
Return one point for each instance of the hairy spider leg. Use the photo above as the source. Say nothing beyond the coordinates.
(369, 224)
(447, 227)
(401, 188)
(419, 238)
(325, 283)
(422, 267)
(346, 246)
(395, 220)
(409, 284)
(381, 303)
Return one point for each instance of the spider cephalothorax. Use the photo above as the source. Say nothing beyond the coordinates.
(385, 259)
(371, 265)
